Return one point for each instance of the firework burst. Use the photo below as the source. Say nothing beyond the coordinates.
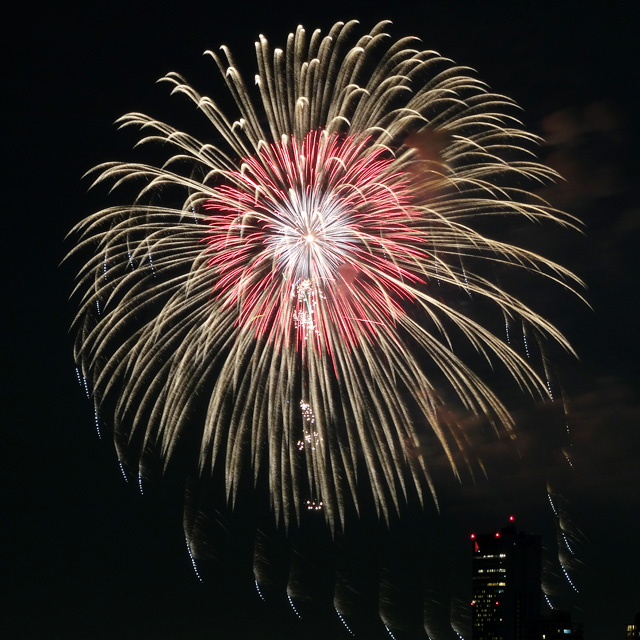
(285, 296)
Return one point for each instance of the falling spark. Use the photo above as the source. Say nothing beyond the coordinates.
(96, 421)
(193, 562)
(389, 632)
(566, 575)
(293, 607)
(344, 622)
(122, 471)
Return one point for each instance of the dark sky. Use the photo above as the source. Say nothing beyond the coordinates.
(87, 556)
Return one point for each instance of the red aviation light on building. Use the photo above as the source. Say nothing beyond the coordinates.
(473, 536)
(497, 534)
(511, 518)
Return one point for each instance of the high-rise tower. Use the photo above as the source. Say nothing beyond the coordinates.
(506, 585)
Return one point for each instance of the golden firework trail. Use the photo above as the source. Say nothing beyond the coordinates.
(308, 259)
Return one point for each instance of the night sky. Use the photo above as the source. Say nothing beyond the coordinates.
(87, 556)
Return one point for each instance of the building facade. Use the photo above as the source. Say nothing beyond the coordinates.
(633, 630)
(506, 568)
(557, 625)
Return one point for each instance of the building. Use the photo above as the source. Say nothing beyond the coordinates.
(633, 630)
(506, 568)
(557, 625)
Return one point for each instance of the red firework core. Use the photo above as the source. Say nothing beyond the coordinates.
(319, 236)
